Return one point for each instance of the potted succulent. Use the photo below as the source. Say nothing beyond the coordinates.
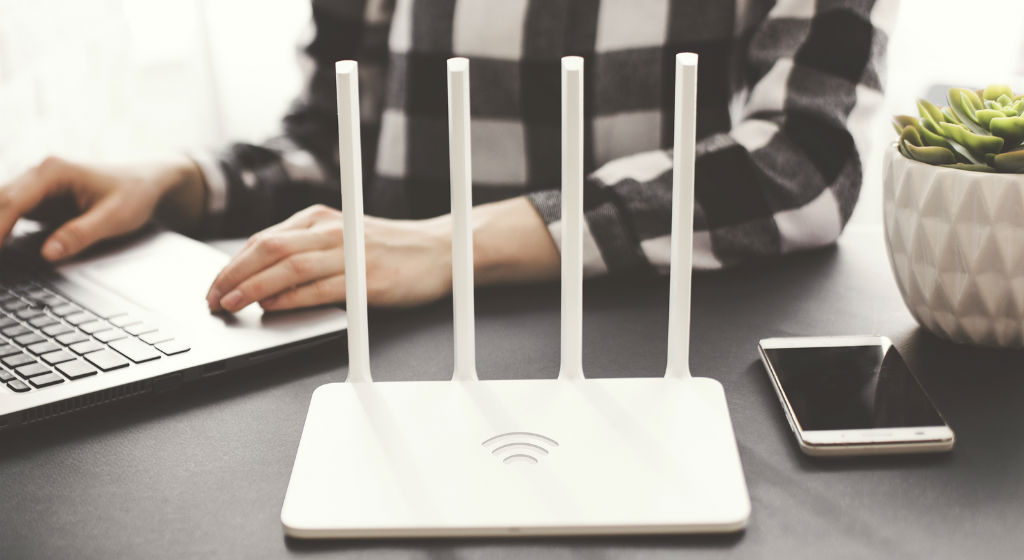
(954, 215)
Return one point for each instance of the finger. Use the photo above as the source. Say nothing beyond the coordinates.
(264, 253)
(293, 222)
(102, 221)
(26, 192)
(323, 291)
(295, 270)
(303, 219)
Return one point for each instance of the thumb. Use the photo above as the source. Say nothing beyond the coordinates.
(97, 223)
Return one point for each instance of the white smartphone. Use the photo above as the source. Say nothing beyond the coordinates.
(852, 395)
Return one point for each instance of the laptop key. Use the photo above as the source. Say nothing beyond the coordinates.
(16, 360)
(32, 370)
(156, 336)
(6, 376)
(86, 347)
(46, 380)
(14, 305)
(41, 321)
(57, 357)
(14, 330)
(29, 312)
(52, 301)
(65, 309)
(135, 350)
(94, 326)
(56, 329)
(8, 349)
(37, 294)
(123, 320)
(140, 328)
(108, 335)
(107, 359)
(81, 317)
(18, 386)
(172, 347)
(102, 306)
(70, 338)
(6, 321)
(30, 338)
(43, 347)
(77, 369)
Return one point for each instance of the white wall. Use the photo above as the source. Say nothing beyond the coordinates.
(120, 79)
(116, 79)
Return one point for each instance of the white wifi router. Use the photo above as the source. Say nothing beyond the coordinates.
(519, 457)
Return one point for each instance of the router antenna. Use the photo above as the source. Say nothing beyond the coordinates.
(347, 75)
(572, 218)
(461, 164)
(681, 268)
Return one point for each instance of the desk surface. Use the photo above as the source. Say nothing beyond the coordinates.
(201, 472)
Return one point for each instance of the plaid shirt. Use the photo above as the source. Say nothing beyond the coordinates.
(787, 90)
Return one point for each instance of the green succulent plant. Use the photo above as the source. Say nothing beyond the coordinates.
(979, 131)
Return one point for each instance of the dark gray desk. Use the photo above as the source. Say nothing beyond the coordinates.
(201, 473)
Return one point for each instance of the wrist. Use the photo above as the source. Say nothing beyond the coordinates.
(182, 193)
(512, 244)
(438, 232)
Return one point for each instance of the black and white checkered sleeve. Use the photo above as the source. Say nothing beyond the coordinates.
(784, 178)
(252, 186)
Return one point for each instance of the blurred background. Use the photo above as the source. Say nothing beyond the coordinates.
(109, 80)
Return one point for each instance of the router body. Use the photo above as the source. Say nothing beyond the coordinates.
(516, 457)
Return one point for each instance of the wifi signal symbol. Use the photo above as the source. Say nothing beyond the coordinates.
(519, 447)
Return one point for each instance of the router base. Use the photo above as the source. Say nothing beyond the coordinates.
(516, 457)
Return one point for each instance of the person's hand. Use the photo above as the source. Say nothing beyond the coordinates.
(301, 263)
(110, 200)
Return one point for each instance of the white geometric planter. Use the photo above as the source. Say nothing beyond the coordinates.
(956, 246)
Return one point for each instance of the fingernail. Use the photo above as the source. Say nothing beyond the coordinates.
(213, 298)
(231, 301)
(53, 250)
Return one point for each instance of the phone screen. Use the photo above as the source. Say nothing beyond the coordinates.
(851, 387)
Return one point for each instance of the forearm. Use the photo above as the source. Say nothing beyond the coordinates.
(182, 204)
(511, 243)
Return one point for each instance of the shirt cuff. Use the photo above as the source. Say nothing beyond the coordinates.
(216, 183)
(548, 205)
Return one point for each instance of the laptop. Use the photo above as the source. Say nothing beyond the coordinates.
(126, 318)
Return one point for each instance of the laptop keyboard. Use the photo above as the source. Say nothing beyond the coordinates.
(47, 339)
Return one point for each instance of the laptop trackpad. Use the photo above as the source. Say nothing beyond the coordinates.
(165, 272)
